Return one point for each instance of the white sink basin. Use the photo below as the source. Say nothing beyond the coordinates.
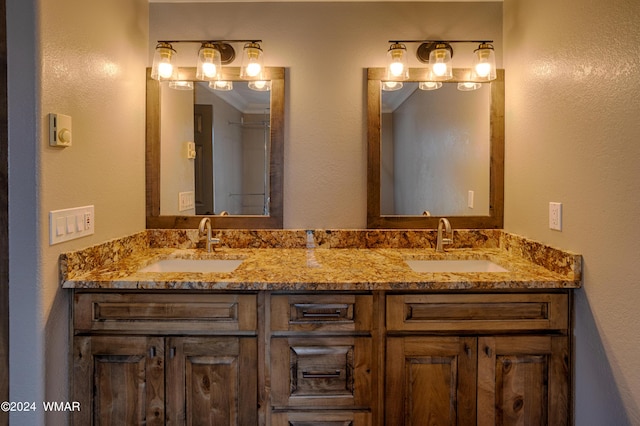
(193, 265)
(455, 265)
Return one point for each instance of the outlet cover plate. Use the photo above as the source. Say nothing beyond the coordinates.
(555, 216)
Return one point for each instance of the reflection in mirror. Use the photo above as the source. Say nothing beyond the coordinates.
(220, 149)
(230, 130)
(435, 147)
(430, 152)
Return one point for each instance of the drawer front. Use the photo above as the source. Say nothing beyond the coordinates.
(333, 312)
(321, 418)
(164, 313)
(477, 312)
(329, 371)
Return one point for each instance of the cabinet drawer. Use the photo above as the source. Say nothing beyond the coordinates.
(321, 418)
(164, 313)
(477, 312)
(326, 371)
(332, 312)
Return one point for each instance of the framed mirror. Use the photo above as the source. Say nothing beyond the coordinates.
(215, 153)
(435, 153)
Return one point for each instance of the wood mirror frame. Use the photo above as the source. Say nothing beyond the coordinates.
(375, 219)
(276, 161)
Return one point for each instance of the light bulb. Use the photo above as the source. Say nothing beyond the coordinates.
(253, 69)
(440, 69)
(483, 69)
(396, 69)
(209, 70)
(165, 70)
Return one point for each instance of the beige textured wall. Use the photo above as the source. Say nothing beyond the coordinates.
(572, 136)
(325, 48)
(87, 60)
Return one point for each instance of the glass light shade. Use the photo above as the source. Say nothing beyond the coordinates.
(260, 85)
(221, 85)
(440, 63)
(181, 84)
(429, 85)
(467, 86)
(208, 62)
(251, 61)
(397, 68)
(484, 63)
(164, 63)
(390, 86)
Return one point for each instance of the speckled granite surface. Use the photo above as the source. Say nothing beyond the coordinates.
(346, 260)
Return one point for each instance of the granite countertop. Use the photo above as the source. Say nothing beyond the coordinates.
(300, 269)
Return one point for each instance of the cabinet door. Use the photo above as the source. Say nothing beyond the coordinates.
(118, 380)
(431, 381)
(212, 381)
(523, 380)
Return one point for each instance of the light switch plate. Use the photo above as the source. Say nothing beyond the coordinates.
(186, 200)
(69, 224)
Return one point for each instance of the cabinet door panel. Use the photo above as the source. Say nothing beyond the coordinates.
(120, 378)
(430, 380)
(523, 380)
(211, 381)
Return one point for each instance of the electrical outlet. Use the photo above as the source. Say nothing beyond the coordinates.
(555, 216)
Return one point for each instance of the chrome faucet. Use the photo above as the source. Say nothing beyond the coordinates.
(444, 222)
(205, 224)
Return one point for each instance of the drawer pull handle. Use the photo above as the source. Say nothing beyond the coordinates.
(317, 375)
(487, 350)
(172, 352)
(152, 352)
(307, 314)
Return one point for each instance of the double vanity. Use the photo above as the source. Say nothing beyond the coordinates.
(328, 327)
(363, 327)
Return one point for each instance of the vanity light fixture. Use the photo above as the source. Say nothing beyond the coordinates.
(397, 68)
(212, 55)
(164, 62)
(209, 62)
(251, 61)
(438, 55)
(484, 63)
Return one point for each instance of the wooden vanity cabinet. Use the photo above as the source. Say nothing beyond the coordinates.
(165, 359)
(480, 359)
(322, 358)
(321, 352)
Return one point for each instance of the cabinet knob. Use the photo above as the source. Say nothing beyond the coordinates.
(487, 350)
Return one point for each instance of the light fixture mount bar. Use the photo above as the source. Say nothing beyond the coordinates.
(441, 41)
